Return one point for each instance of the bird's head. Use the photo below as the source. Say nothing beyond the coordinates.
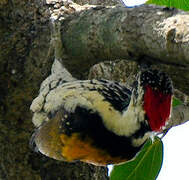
(157, 92)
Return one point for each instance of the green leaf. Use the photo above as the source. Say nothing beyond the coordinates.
(145, 166)
(180, 4)
(176, 102)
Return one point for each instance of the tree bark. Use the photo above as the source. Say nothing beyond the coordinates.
(148, 33)
(26, 57)
(111, 33)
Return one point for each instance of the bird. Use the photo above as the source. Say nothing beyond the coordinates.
(103, 122)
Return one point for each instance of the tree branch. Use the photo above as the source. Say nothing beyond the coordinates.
(180, 115)
(96, 33)
(117, 32)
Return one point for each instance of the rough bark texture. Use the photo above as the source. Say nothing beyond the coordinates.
(162, 36)
(26, 56)
(110, 33)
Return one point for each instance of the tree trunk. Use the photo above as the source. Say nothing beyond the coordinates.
(26, 56)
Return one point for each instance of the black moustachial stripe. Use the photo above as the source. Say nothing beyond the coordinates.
(89, 125)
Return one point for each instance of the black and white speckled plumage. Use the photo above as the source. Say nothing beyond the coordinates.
(104, 112)
(157, 80)
(89, 124)
(113, 92)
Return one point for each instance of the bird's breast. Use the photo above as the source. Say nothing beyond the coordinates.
(84, 150)
(82, 136)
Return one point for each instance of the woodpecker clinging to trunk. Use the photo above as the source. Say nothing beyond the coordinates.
(102, 122)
